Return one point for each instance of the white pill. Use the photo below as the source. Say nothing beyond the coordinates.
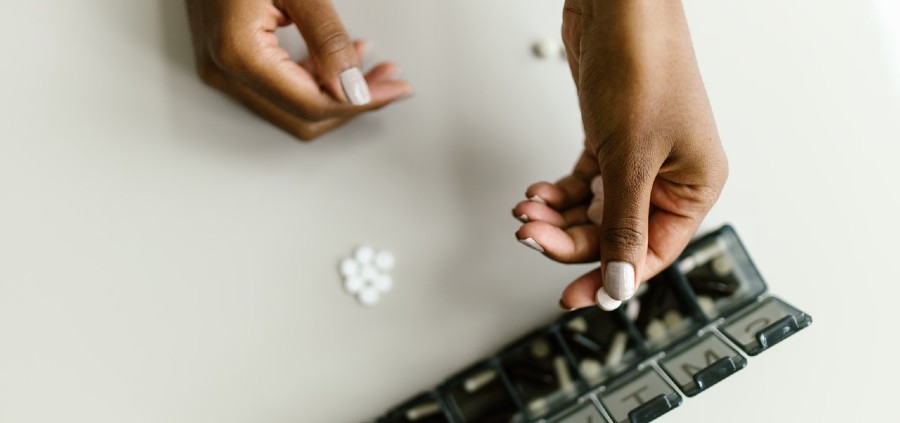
(578, 325)
(369, 296)
(537, 406)
(707, 305)
(369, 273)
(540, 348)
(656, 331)
(563, 375)
(673, 319)
(364, 254)
(419, 412)
(478, 381)
(633, 309)
(383, 283)
(349, 267)
(354, 284)
(590, 368)
(722, 266)
(545, 48)
(616, 349)
(384, 260)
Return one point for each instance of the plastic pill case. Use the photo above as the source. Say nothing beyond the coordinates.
(695, 324)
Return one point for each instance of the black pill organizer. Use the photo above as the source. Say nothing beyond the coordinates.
(685, 330)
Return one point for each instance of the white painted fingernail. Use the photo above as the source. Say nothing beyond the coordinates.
(532, 244)
(619, 282)
(355, 87)
(537, 199)
(523, 218)
(605, 302)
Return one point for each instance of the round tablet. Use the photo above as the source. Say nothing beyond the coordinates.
(384, 260)
(368, 296)
(364, 254)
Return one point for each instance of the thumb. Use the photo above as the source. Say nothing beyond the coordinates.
(623, 230)
(331, 49)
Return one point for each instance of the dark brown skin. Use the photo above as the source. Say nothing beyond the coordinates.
(649, 132)
(238, 53)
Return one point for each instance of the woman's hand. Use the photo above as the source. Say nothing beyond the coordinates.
(652, 151)
(238, 53)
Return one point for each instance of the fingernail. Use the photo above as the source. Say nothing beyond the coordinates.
(537, 199)
(523, 218)
(619, 282)
(355, 87)
(533, 244)
(597, 185)
(605, 302)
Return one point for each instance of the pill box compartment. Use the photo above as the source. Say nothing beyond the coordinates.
(639, 398)
(764, 324)
(602, 344)
(481, 394)
(720, 273)
(686, 329)
(667, 310)
(541, 373)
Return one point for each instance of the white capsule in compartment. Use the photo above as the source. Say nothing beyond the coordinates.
(364, 254)
(420, 412)
(673, 319)
(578, 325)
(616, 349)
(540, 348)
(633, 309)
(722, 266)
(384, 260)
(478, 381)
(369, 296)
(590, 368)
(707, 304)
(563, 375)
(656, 331)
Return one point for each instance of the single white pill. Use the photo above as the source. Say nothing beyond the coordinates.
(633, 309)
(540, 348)
(673, 319)
(545, 48)
(349, 267)
(578, 324)
(383, 283)
(384, 260)
(537, 406)
(369, 296)
(707, 304)
(656, 331)
(478, 381)
(354, 284)
(616, 349)
(563, 375)
(364, 254)
(722, 266)
(590, 368)
(419, 412)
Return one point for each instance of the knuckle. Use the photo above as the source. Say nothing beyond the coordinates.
(228, 55)
(335, 42)
(624, 237)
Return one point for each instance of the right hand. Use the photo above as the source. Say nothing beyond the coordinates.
(238, 53)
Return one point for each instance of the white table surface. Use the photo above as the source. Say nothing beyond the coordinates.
(166, 256)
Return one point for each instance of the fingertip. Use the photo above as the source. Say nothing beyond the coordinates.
(582, 291)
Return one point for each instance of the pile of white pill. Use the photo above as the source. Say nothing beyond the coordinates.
(365, 274)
